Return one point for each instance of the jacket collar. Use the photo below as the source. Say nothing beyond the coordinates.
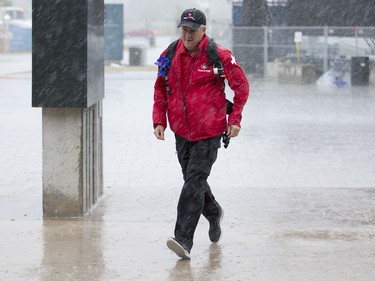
(180, 49)
(202, 46)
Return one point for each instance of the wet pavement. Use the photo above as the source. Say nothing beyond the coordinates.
(297, 187)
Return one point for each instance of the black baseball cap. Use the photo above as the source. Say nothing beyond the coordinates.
(192, 18)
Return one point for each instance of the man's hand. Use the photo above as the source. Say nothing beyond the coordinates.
(159, 132)
(233, 131)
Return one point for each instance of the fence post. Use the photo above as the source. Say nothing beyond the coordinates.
(265, 56)
(356, 41)
(325, 59)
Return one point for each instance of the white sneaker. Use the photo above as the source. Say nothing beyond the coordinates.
(178, 248)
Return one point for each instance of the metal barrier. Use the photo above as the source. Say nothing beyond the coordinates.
(322, 47)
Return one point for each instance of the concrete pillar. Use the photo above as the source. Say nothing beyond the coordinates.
(72, 160)
(68, 83)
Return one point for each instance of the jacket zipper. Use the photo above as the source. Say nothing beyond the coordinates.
(185, 113)
(183, 99)
(183, 96)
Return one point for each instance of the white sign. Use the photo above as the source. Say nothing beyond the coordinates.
(298, 37)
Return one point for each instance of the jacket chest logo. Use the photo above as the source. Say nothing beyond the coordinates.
(204, 68)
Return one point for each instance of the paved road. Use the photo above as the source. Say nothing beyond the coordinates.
(297, 186)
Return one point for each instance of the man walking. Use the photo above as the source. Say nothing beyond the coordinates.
(189, 92)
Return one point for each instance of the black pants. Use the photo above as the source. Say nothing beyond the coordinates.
(196, 160)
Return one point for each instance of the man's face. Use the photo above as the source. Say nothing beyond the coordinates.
(191, 37)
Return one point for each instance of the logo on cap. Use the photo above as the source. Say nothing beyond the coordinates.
(189, 17)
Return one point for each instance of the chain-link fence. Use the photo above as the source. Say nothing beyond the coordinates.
(261, 50)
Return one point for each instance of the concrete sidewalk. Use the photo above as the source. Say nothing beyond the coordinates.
(297, 186)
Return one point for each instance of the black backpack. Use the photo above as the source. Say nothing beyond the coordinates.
(214, 60)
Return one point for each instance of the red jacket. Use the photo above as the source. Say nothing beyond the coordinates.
(196, 106)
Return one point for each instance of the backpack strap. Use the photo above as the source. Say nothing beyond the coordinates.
(218, 69)
(171, 50)
(214, 59)
(212, 52)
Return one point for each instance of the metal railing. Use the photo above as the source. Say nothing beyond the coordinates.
(256, 47)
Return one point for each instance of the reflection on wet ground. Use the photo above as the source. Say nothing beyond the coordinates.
(210, 270)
